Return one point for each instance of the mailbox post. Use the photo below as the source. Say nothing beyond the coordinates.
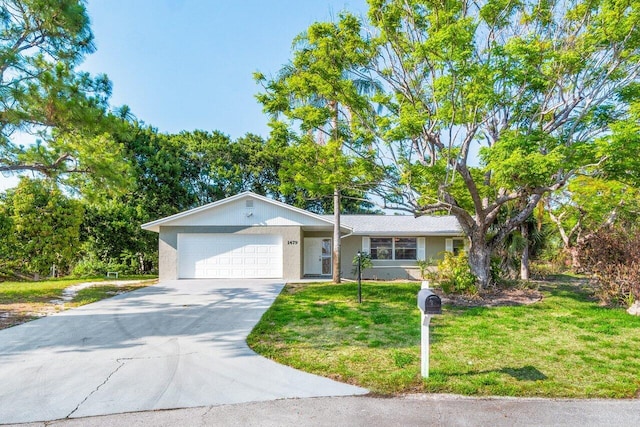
(429, 304)
(359, 277)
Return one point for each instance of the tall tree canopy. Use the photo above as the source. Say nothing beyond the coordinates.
(539, 86)
(317, 103)
(168, 174)
(44, 96)
(486, 106)
(41, 229)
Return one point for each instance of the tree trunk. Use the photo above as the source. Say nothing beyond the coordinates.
(574, 253)
(480, 261)
(336, 236)
(524, 259)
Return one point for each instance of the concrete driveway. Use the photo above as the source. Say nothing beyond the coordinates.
(173, 345)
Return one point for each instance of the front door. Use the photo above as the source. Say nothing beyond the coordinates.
(317, 256)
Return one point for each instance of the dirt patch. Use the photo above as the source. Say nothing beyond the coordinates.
(16, 313)
(495, 298)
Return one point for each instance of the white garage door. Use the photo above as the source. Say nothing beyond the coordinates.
(224, 256)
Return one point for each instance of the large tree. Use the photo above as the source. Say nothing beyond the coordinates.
(536, 88)
(162, 181)
(42, 94)
(41, 228)
(317, 102)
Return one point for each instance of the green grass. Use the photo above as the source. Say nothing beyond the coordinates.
(564, 346)
(36, 292)
(97, 293)
(46, 290)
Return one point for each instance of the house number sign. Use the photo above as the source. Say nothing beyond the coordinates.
(292, 242)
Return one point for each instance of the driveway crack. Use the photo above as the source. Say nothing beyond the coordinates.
(122, 363)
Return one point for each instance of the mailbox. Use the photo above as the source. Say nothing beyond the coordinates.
(429, 302)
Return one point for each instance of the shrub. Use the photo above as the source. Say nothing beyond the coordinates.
(454, 274)
(90, 266)
(612, 256)
(424, 267)
(365, 262)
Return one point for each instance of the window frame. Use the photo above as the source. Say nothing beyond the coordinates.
(455, 245)
(393, 248)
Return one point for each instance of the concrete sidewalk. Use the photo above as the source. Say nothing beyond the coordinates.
(418, 410)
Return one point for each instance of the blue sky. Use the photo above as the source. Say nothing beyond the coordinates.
(188, 64)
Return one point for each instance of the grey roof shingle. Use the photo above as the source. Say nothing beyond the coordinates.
(401, 225)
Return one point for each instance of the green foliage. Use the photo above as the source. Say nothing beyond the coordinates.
(365, 262)
(423, 266)
(45, 96)
(545, 91)
(169, 174)
(90, 266)
(331, 169)
(46, 228)
(527, 159)
(454, 275)
(316, 104)
(224, 167)
(587, 205)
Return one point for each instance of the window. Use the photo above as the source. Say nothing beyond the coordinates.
(394, 248)
(405, 248)
(455, 245)
(381, 248)
(458, 246)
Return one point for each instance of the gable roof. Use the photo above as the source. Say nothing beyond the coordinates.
(401, 225)
(284, 214)
(288, 215)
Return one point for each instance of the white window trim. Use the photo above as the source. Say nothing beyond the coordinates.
(366, 244)
(421, 252)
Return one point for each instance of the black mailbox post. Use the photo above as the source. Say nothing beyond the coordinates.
(429, 302)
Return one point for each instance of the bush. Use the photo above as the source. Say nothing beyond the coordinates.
(454, 274)
(612, 256)
(91, 267)
(424, 265)
(365, 262)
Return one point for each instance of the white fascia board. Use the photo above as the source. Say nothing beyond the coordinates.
(417, 233)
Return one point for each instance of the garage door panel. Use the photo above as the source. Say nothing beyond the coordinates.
(229, 256)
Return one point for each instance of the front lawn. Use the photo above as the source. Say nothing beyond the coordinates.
(564, 346)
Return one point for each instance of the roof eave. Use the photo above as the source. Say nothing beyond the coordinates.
(155, 225)
(414, 233)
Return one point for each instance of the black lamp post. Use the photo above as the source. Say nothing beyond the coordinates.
(359, 277)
